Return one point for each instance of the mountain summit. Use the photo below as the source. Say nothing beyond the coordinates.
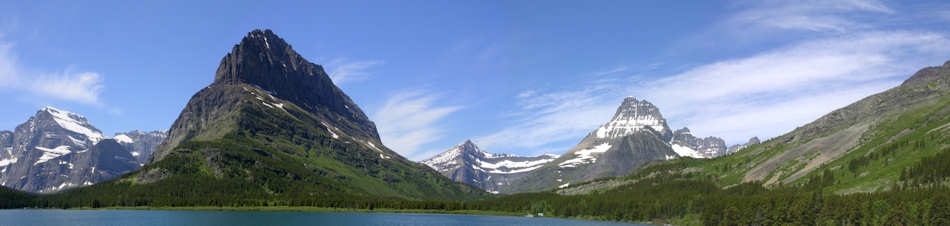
(266, 61)
(273, 126)
(633, 116)
(271, 68)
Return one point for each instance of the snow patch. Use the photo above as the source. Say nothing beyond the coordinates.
(373, 146)
(334, 135)
(512, 166)
(5, 162)
(564, 185)
(684, 151)
(622, 126)
(71, 121)
(135, 154)
(123, 139)
(51, 153)
(585, 156)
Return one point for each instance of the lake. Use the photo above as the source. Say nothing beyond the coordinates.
(157, 217)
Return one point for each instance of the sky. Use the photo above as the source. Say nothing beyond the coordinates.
(519, 77)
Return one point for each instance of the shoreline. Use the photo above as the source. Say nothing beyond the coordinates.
(327, 210)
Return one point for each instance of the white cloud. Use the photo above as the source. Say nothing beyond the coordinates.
(811, 15)
(343, 70)
(409, 120)
(763, 95)
(545, 118)
(7, 66)
(772, 92)
(82, 87)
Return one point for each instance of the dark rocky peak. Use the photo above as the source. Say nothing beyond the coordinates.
(635, 116)
(469, 147)
(684, 130)
(266, 61)
(633, 108)
(6, 139)
(753, 140)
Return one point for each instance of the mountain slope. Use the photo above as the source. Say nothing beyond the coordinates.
(871, 145)
(56, 150)
(636, 135)
(469, 164)
(272, 127)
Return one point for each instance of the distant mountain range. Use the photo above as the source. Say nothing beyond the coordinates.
(636, 135)
(56, 150)
(469, 164)
(871, 145)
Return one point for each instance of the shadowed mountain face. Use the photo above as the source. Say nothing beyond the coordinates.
(141, 144)
(56, 150)
(265, 62)
(273, 126)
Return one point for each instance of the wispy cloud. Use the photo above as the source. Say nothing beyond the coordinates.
(411, 119)
(81, 87)
(342, 70)
(811, 15)
(765, 95)
(817, 75)
(546, 118)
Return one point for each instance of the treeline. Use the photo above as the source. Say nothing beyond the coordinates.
(929, 171)
(663, 197)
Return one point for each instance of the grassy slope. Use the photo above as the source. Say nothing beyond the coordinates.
(279, 156)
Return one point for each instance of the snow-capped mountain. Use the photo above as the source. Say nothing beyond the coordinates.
(57, 149)
(140, 144)
(637, 134)
(469, 164)
(686, 145)
(634, 116)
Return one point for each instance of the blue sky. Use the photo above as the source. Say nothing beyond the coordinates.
(522, 77)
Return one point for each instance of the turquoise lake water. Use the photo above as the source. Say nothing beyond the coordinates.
(154, 217)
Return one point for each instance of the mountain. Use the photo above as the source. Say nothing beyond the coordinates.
(739, 147)
(892, 140)
(637, 134)
(140, 144)
(685, 144)
(273, 128)
(469, 164)
(56, 150)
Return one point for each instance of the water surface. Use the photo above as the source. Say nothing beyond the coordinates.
(172, 217)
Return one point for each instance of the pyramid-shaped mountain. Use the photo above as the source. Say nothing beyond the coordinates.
(273, 127)
(637, 134)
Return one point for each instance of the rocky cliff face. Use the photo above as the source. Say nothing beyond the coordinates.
(469, 164)
(140, 144)
(56, 150)
(273, 126)
(266, 62)
(686, 145)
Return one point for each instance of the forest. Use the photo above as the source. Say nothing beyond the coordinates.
(662, 198)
